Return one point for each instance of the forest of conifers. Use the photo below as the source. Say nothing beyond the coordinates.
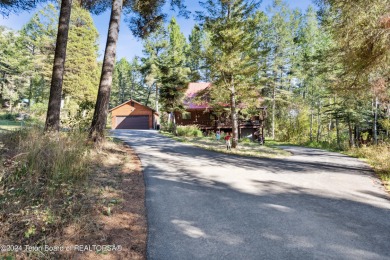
(323, 74)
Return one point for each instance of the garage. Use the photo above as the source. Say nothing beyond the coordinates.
(133, 115)
(132, 122)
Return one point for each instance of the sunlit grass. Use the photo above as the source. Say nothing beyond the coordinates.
(245, 148)
(378, 157)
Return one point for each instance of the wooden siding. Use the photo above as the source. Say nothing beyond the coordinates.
(129, 110)
(198, 117)
(208, 120)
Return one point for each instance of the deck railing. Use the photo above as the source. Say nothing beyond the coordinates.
(219, 124)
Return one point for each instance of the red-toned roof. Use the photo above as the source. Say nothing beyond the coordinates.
(193, 89)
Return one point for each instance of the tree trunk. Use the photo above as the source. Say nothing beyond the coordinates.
(30, 93)
(311, 125)
(319, 124)
(157, 105)
(350, 132)
(234, 117)
(174, 126)
(96, 132)
(54, 108)
(122, 89)
(338, 132)
(273, 112)
(375, 130)
(149, 92)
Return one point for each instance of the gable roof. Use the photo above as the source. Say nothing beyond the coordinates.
(195, 88)
(190, 94)
(131, 100)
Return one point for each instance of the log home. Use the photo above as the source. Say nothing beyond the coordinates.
(204, 116)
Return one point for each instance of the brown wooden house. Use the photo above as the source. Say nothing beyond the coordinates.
(207, 119)
(133, 115)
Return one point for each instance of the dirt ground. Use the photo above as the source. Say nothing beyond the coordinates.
(109, 223)
(121, 216)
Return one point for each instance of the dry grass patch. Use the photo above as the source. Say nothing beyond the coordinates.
(378, 157)
(58, 190)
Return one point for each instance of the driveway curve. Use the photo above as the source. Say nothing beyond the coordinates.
(207, 205)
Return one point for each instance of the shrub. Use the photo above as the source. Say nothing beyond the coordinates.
(245, 140)
(38, 109)
(166, 126)
(197, 133)
(8, 116)
(189, 131)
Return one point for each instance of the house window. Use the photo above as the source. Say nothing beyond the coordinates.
(186, 115)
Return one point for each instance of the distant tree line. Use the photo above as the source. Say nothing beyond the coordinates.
(323, 74)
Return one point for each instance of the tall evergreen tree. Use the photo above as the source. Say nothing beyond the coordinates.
(54, 108)
(361, 31)
(120, 84)
(81, 68)
(280, 41)
(81, 72)
(98, 125)
(195, 53)
(53, 113)
(39, 36)
(128, 83)
(147, 17)
(14, 67)
(154, 46)
(174, 73)
(229, 55)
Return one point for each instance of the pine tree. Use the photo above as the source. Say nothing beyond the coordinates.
(174, 73)
(229, 55)
(38, 36)
(361, 31)
(14, 64)
(283, 23)
(128, 83)
(120, 83)
(101, 107)
(147, 18)
(195, 54)
(81, 68)
(154, 46)
(81, 72)
(54, 108)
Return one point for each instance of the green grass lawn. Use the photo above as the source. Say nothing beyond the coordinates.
(251, 149)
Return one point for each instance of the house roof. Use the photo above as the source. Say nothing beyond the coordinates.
(190, 94)
(132, 100)
(195, 88)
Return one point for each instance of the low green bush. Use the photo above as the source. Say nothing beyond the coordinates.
(189, 131)
(245, 140)
(8, 116)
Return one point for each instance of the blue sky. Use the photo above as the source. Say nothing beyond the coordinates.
(128, 46)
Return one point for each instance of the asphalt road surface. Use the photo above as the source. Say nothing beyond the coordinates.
(206, 205)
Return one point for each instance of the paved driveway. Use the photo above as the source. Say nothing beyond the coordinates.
(206, 205)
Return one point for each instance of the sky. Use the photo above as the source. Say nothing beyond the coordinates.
(128, 46)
